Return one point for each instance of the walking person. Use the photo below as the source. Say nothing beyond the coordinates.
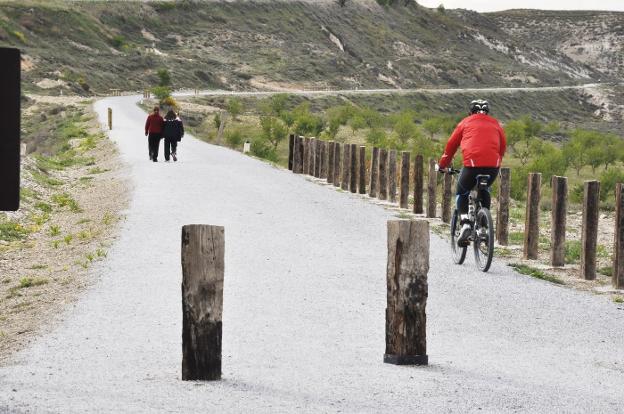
(173, 131)
(153, 131)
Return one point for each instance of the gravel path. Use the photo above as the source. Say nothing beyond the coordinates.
(303, 327)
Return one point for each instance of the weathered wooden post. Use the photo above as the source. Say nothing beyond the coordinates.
(383, 174)
(531, 223)
(589, 237)
(291, 151)
(353, 172)
(407, 290)
(392, 175)
(110, 118)
(330, 161)
(502, 215)
(362, 175)
(323, 174)
(203, 249)
(419, 172)
(374, 173)
(618, 249)
(337, 171)
(317, 157)
(446, 198)
(558, 220)
(296, 156)
(312, 155)
(431, 190)
(346, 159)
(306, 155)
(405, 169)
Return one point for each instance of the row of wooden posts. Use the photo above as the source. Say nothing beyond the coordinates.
(344, 166)
(203, 264)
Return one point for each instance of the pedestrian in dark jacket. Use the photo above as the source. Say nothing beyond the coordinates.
(173, 131)
(153, 132)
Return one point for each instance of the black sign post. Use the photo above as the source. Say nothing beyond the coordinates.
(10, 129)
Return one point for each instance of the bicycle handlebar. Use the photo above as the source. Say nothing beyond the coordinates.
(449, 170)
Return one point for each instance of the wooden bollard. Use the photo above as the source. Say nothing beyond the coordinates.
(531, 224)
(312, 155)
(374, 173)
(362, 174)
(502, 215)
(203, 251)
(291, 151)
(353, 171)
(432, 185)
(618, 251)
(110, 118)
(405, 170)
(383, 174)
(419, 173)
(392, 175)
(407, 290)
(558, 220)
(317, 158)
(323, 174)
(589, 236)
(446, 198)
(296, 156)
(300, 149)
(346, 159)
(306, 155)
(331, 147)
(337, 170)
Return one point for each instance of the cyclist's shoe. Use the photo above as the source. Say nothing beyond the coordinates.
(464, 235)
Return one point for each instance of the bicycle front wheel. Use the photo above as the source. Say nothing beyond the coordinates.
(459, 253)
(483, 239)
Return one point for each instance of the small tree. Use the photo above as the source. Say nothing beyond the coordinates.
(234, 107)
(577, 149)
(441, 9)
(376, 137)
(273, 130)
(432, 126)
(405, 128)
(164, 78)
(217, 120)
(161, 92)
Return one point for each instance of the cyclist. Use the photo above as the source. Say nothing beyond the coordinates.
(483, 145)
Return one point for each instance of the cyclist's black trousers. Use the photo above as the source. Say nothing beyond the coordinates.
(467, 181)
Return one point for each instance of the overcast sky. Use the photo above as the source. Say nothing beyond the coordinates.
(489, 5)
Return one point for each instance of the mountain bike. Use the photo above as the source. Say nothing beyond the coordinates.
(482, 236)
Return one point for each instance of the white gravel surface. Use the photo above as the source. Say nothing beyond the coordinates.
(303, 324)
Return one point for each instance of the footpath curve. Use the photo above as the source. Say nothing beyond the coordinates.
(303, 322)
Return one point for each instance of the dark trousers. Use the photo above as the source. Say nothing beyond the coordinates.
(171, 145)
(153, 142)
(467, 181)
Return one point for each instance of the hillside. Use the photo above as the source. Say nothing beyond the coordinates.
(90, 47)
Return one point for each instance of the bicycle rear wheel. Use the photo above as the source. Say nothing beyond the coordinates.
(483, 239)
(459, 253)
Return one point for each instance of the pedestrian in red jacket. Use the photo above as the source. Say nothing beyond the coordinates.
(153, 131)
(483, 145)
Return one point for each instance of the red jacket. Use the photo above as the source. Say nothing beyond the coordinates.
(154, 124)
(482, 141)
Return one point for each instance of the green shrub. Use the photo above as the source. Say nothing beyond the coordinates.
(234, 138)
(261, 148)
(161, 92)
(27, 282)
(572, 251)
(12, 230)
(608, 180)
(65, 200)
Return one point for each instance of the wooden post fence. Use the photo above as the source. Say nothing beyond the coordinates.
(405, 170)
(392, 175)
(558, 220)
(618, 251)
(362, 175)
(531, 226)
(346, 158)
(353, 171)
(110, 118)
(407, 290)
(317, 157)
(589, 237)
(374, 173)
(446, 198)
(291, 151)
(431, 189)
(383, 174)
(419, 172)
(330, 161)
(323, 174)
(502, 216)
(306, 155)
(203, 251)
(337, 172)
(298, 156)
